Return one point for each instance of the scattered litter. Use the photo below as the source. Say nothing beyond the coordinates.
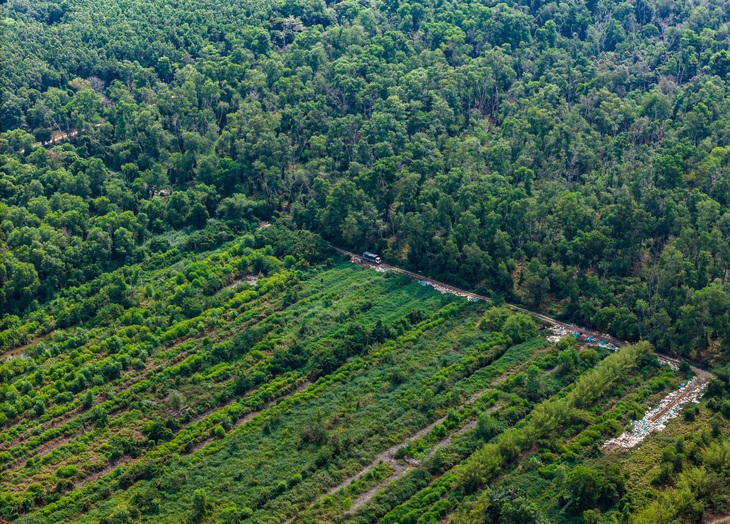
(654, 420)
(559, 333)
(448, 290)
(669, 408)
(670, 363)
(21, 356)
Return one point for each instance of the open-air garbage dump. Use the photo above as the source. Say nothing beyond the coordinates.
(666, 362)
(560, 332)
(444, 289)
(656, 420)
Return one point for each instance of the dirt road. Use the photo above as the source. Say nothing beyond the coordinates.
(357, 259)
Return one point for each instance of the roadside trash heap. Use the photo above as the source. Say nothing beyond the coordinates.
(444, 290)
(670, 363)
(559, 333)
(656, 420)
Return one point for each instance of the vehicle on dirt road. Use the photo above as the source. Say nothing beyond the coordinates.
(372, 257)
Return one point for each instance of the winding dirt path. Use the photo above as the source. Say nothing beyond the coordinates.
(387, 456)
(401, 467)
(412, 464)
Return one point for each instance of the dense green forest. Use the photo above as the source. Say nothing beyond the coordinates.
(571, 156)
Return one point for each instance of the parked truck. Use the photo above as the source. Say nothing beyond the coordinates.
(371, 257)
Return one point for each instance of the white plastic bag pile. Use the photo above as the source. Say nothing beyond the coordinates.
(444, 290)
(669, 363)
(657, 418)
(559, 333)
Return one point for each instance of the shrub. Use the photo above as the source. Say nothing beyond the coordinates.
(488, 427)
(175, 400)
(67, 472)
(39, 408)
(520, 327)
(479, 469)
(219, 432)
(100, 416)
(201, 506)
(494, 318)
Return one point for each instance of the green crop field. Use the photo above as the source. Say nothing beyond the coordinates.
(268, 381)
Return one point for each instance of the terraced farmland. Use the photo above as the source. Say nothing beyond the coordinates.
(241, 386)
